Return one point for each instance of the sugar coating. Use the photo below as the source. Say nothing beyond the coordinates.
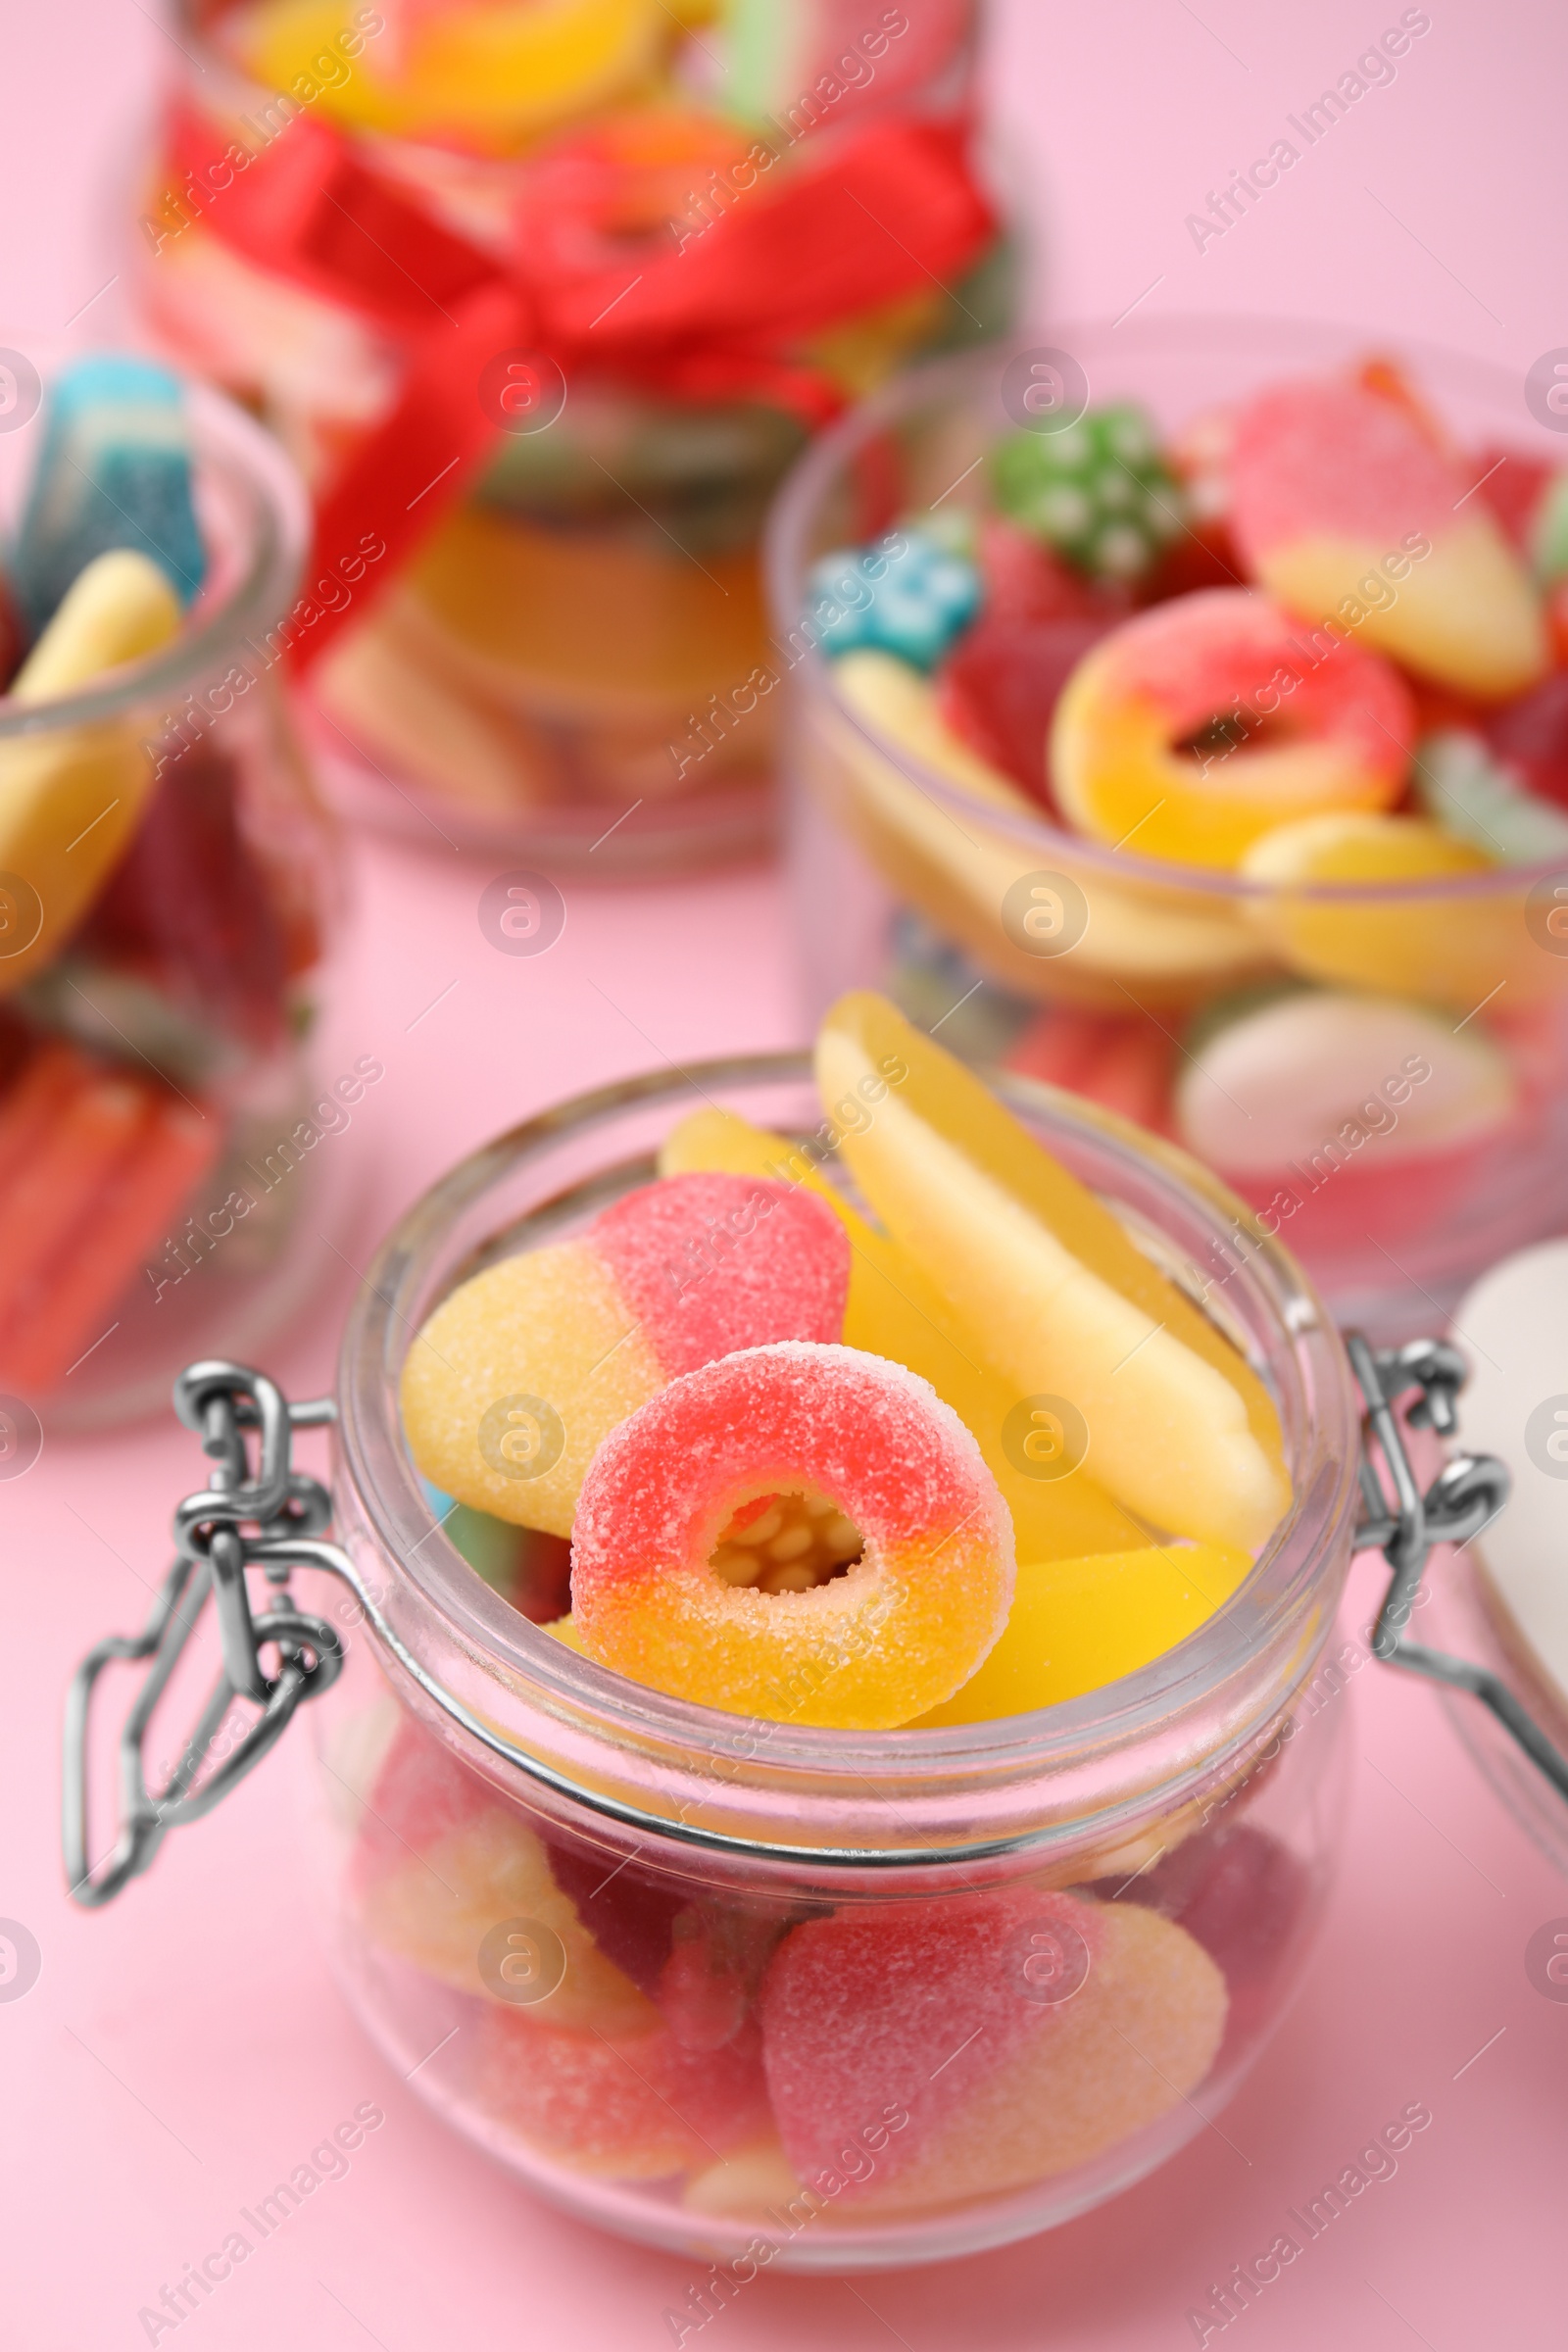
(914, 1615)
(1197, 654)
(624, 2108)
(440, 1861)
(1311, 459)
(925, 2009)
(551, 1325)
(709, 1263)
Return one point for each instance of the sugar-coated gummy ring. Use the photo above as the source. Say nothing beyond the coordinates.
(1297, 721)
(894, 1634)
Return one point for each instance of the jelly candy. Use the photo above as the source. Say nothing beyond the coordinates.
(95, 1165)
(1428, 944)
(1202, 724)
(115, 473)
(1076, 1625)
(72, 798)
(517, 1375)
(1243, 1896)
(1024, 579)
(624, 2106)
(188, 908)
(1308, 1079)
(1344, 510)
(495, 71)
(998, 690)
(894, 1633)
(1054, 1294)
(962, 2046)
(1099, 490)
(439, 1864)
(1549, 539)
(1530, 736)
(13, 635)
(899, 702)
(894, 1311)
(912, 603)
(1125, 1065)
(1460, 786)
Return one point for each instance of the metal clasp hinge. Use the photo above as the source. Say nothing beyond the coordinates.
(1465, 1497)
(248, 1514)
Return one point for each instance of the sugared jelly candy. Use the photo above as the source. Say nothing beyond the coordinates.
(515, 1379)
(1344, 510)
(999, 687)
(895, 1311)
(115, 472)
(1099, 490)
(969, 2045)
(70, 797)
(1076, 1625)
(880, 1639)
(912, 604)
(1243, 1896)
(624, 2106)
(1054, 1294)
(1408, 942)
(1462, 787)
(1198, 726)
(441, 1865)
(1325, 1078)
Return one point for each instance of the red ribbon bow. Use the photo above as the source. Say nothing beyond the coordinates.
(877, 214)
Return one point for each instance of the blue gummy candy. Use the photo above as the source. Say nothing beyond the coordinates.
(920, 601)
(116, 471)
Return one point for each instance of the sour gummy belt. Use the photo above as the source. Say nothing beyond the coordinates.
(545, 297)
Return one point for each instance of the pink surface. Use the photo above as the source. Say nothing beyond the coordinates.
(183, 2052)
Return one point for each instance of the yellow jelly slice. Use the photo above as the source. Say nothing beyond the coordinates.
(1076, 1625)
(1434, 944)
(1051, 1292)
(70, 798)
(893, 1310)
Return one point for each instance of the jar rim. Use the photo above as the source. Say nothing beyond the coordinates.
(230, 448)
(796, 1787)
(975, 375)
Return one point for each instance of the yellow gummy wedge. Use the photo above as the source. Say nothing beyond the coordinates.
(1053, 1293)
(497, 69)
(893, 1310)
(70, 798)
(1077, 1625)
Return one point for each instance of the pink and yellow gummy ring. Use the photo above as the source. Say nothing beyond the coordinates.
(893, 1634)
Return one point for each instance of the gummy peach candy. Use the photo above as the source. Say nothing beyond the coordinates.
(1346, 508)
(893, 1634)
(894, 1311)
(516, 1376)
(1053, 1293)
(1288, 736)
(977, 2043)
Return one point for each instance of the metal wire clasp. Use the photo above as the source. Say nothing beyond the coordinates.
(1467, 1494)
(244, 1515)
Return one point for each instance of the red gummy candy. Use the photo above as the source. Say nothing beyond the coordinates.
(879, 2024)
(705, 1262)
(13, 635)
(1531, 734)
(419, 1794)
(1124, 1064)
(630, 1916)
(1512, 484)
(188, 909)
(1027, 580)
(1242, 1895)
(635, 2108)
(999, 688)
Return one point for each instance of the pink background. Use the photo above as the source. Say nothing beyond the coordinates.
(183, 2051)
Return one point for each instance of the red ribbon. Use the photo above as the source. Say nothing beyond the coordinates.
(876, 215)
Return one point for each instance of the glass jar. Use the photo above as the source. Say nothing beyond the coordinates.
(590, 1922)
(159, 976)
(1020, 938)
(569, 634)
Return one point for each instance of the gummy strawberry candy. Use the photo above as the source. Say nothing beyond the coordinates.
(999, 688)
(1099, 490)
(1532, 735)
